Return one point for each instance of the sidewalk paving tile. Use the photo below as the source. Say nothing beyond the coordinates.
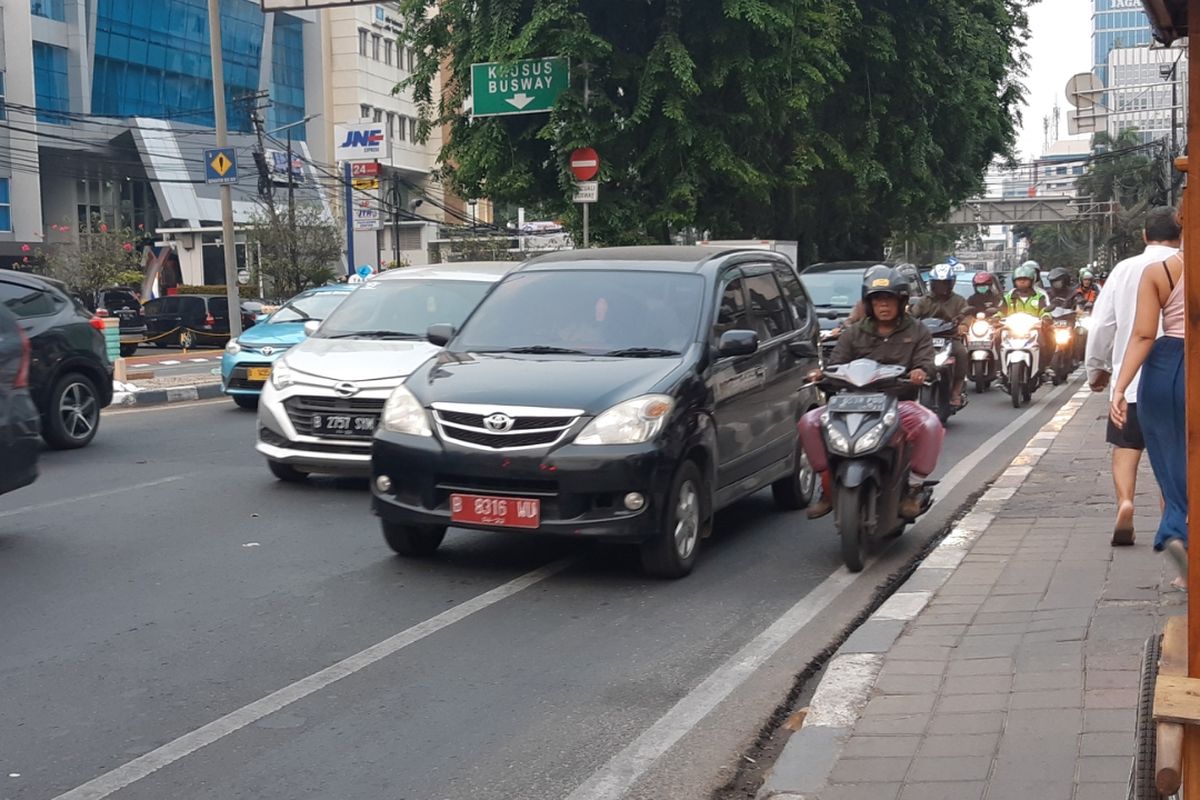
(956, 790)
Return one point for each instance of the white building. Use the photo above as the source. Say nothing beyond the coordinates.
(1141, 80)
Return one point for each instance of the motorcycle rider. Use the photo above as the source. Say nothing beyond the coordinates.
(985, 296)
(1026, 298)
(944, 304)
(1061, 293)
(1087, 292)
(889, 336)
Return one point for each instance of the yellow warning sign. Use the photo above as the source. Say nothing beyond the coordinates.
(221, 164)
(366, 184)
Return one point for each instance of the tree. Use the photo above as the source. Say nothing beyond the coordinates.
(293, 258)
(102, 256)
(1123, 171)
(1064, 245)
(832, 122)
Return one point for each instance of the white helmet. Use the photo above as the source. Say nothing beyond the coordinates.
(942, 272)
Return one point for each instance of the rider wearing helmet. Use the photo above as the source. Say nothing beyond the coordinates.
(1062, 289)
(942, 303)
(1025, 296)
(985, 294)
(890, 336)
(1085, 295)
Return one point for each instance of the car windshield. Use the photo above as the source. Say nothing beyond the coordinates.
(402, 308)
(829, 289)
(625, 314)
(311, 305)
(965, 288)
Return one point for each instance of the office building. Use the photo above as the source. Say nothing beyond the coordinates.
(1116, 24)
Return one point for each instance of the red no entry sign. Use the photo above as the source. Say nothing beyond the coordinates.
(585, 163)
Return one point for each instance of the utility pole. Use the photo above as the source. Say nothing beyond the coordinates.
(232, 295)
(395, 200)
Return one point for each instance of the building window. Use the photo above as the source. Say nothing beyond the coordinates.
(378, 117)
(50, 82)
(412, 59)
(364, 111)
(387, 52)
(5, 207)
(412, 129)
(50, 9)
(3, 96)
(391, 128)
(400, 132)
(287, 74)
(362, 41)
(375, 40)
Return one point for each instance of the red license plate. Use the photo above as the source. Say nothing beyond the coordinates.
(497, 512)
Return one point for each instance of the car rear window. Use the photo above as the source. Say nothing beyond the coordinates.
(113, 299)
(828, 289)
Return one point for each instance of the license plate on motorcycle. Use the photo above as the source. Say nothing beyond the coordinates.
(939, 342)
(858, 403)
(496, 512)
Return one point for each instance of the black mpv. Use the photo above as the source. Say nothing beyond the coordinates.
(625, 394)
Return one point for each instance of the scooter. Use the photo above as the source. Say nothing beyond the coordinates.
(981, 350)
(1021, 357)
(1083, 324)
(935, 395)
(1062, 363)
(868, 455)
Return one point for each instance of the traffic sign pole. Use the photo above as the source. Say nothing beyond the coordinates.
(349, 180)
(232, 295)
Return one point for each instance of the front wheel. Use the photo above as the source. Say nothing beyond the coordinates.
(128, 350)
(286, 472)
(246, 401)
(852, 522)
(414, 541)
(73, 413)
(1016, 382)
(982, 385)
(944, 409)
(797, 490)
(671, 553)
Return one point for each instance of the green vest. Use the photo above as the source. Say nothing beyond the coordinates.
(1026, 305)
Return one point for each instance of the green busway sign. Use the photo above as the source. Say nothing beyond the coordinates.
(529, 86)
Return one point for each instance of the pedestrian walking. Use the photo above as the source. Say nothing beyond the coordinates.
(1112, 323)
(1161, 397)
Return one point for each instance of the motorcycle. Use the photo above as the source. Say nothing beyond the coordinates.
(868, 455)
(1083, 324)
(981, 350)
(1062, 363)
(1021, 357)
(935, 395)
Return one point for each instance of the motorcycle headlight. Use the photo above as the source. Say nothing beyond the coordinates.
(1020, 325)
(233, 348)
(838, 442)
(402, 413)
(980, 329)
(869, 440)
(941, 358)
(1085, 323)
(631, 422)
(281, 375)
(1062, 335)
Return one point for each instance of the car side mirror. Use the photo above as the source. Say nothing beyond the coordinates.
(440, 334)
(310, 327)
(260, 317)
(737, 343)
(803, 348)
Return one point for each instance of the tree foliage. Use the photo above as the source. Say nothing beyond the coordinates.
(833, 122)
(293, 256)
(1124, 172)
(101, 256)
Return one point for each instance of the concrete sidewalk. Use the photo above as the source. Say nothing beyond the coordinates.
(1007, 666)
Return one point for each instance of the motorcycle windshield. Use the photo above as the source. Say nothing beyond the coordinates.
(937, 326)
(864, 372)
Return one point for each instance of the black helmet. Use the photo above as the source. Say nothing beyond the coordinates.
(882, 279)
(1059, 274)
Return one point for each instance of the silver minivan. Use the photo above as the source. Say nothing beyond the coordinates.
(320, 407)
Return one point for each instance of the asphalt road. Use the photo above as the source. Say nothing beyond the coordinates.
(159, 589)
(171, 361)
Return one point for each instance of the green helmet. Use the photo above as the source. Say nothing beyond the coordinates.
(1027, 270)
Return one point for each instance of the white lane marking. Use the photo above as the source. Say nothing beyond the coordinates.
(139, 366)
(185, 745)
(216, 401)
(626, 768)
(198, 360)
(12, 512)
(170, 363)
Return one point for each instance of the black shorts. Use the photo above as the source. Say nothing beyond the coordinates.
(1130, 437)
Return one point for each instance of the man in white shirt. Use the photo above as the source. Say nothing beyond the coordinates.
(1112, 322)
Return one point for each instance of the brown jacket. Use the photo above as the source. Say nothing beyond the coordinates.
(948, 309)
(910, 345)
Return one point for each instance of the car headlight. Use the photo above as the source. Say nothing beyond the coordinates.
(980, 330)
(941, 358)
(869, 440)
(402, 413)
(631, 422)
(1062, 335)
(281, 375)
(838, 442)
(233, 348)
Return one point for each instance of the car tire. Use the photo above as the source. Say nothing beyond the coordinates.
(286, 472)
(72, 414)
(798, 489)
(246, 401)
(672, 551)
(128, 350)
(413, 541)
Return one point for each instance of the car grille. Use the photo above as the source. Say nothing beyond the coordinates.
(527, 431)
(301, 409)
(238, 377)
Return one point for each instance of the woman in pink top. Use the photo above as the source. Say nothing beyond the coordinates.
(1160, 294)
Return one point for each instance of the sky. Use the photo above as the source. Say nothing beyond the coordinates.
(1060, 46)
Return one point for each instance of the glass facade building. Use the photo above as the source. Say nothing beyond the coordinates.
(50, 9)
(287, 75)
(1116, 23)
(51, 85)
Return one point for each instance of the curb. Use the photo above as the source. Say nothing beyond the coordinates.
(173, 394)
(809, 755)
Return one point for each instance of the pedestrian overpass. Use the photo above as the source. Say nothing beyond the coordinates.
(1026, 210)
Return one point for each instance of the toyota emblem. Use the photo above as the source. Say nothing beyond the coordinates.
(345, 389)
(499, 423)
(268, 350)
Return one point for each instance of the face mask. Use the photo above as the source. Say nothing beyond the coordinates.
(981, 290)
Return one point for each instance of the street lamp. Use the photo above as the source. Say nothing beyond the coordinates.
(1170, 72)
